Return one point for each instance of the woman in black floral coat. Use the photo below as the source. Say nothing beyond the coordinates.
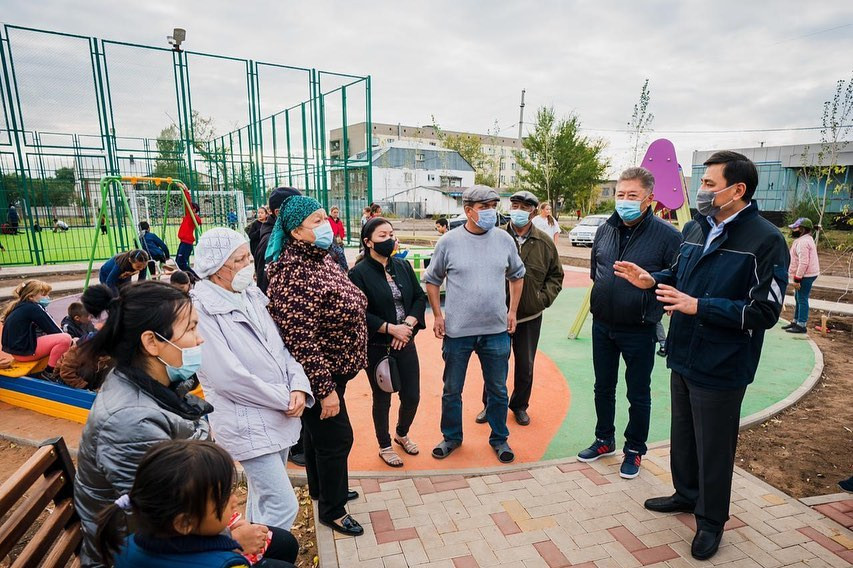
(321, 316)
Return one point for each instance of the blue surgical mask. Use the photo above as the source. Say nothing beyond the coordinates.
(44, 302)
(323, 236)
(519, 217)
(628, 210)
(190, 362)
(487, 219)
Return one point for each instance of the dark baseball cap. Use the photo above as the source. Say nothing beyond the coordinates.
(279, 194)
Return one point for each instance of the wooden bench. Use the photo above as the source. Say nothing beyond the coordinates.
(48, 476)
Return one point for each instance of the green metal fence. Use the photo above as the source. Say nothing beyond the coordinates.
(76, 108)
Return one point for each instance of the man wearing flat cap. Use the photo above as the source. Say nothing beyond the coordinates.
(476, 261)
(543, 280)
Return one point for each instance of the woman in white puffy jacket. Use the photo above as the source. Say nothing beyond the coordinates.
(258, 390)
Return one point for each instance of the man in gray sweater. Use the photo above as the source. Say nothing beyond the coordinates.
(476, 261)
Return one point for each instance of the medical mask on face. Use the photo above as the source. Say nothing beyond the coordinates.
(705, 202)
(243, 278)
(44, 302)
(323, 236)
(629, 210)
(519, 217)
(385, 248)
(190, 362)
(487, 219)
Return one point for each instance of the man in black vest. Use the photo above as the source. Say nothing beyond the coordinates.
(724, 290)
(624, 317)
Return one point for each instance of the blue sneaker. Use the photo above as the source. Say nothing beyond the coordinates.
(598, 449)
(630, 465)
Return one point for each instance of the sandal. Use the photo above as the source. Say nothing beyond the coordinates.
(444, 449)
(504, 452)
(408, 446)
(390, 457)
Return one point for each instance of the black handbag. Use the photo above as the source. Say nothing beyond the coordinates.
(386, 373)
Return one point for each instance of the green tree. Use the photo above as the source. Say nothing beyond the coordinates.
(559, 163)
(171, 158)
(641, 122)
(821, 170)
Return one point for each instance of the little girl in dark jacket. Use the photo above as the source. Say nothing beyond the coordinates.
(182, 505)
(29, 333)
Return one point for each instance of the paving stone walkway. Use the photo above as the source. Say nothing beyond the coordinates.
(577, 514)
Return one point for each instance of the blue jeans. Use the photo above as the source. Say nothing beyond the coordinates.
(493, 352)
(182, 258)
(637, 348)
(801, 297)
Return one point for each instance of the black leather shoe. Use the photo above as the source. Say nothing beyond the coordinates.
(297, 459)
(352, 495)
(668, 505)
(348, 526)
(521, 417)
(705, 544)
(481, 418)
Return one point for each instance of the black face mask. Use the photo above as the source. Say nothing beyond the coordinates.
(795, 234)
(385, 248)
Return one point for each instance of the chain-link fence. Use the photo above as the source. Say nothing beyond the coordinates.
(76, 108)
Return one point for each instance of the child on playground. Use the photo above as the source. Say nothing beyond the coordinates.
(29, 333)
(181, 280)
(78, 322)
(182, 503)
(186, 235)
(118, 270)
(156, 249)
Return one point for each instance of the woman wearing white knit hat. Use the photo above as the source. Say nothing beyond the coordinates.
(258, 390)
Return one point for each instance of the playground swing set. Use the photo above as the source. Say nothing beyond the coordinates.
(60, 401)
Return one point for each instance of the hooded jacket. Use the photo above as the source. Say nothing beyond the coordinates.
(247, 374)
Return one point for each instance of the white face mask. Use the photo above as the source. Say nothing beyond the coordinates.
(244, 278)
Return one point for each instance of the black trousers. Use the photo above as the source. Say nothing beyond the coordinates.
(327, 446)
(410, 391)
(525, 340)
(282, 551)
(637, 349)
(704, 438)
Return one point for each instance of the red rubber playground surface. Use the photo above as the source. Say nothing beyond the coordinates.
(549, 406)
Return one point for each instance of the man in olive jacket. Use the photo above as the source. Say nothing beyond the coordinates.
(543, 280)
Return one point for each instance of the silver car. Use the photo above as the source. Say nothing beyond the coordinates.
(584, 232)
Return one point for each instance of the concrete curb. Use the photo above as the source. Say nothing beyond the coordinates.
(824, 499)
(792, 398)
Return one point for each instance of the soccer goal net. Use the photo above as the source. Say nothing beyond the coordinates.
(216, 208)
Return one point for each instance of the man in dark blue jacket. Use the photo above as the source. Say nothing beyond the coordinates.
(724, 290)
(625, 317)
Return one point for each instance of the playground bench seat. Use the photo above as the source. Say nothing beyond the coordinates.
(46, 478)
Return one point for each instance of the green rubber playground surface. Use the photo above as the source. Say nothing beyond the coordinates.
(786, 362)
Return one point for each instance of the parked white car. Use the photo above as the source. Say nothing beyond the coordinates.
(584, 232)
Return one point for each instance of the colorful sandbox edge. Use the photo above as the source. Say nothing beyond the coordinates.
(47, 398)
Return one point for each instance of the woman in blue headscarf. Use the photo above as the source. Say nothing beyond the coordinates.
(322, 319)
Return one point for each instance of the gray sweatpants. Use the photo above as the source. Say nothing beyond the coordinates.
(271, 500)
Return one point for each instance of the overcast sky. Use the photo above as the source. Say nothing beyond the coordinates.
(722, 65)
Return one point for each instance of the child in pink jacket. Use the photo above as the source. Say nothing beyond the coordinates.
(803, 271)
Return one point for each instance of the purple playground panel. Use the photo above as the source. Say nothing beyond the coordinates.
(661, 161)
